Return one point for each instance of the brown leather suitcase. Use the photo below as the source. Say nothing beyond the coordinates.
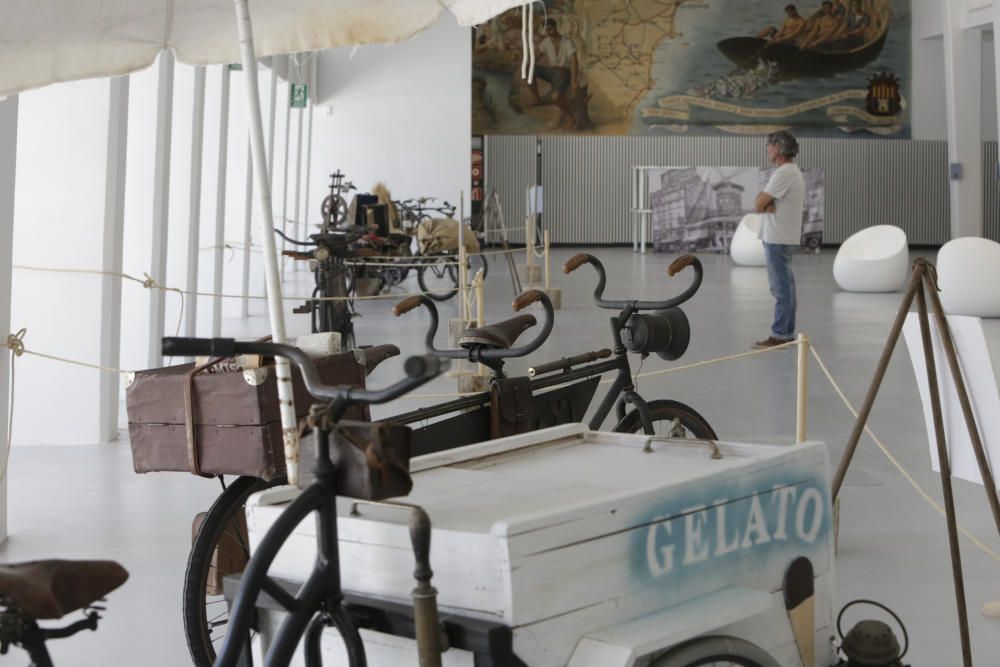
(236, 426)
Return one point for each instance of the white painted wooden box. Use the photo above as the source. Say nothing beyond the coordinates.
(594, 551)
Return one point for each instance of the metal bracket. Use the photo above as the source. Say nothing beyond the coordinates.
(255, 376)
(711, 444)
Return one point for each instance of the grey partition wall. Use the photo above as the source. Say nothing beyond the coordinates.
(868, 182)
(991, 191)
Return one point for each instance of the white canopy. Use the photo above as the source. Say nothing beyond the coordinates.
(45, 41)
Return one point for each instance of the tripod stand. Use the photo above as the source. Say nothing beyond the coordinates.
(923, 282)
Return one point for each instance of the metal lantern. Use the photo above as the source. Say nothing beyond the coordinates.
(872, 643)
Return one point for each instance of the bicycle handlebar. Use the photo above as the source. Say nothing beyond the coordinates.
(290, 239)
(419, 369)
(675, 267)
(488, 354)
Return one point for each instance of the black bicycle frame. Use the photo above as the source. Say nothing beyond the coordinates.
(321, 592)
(465, 429)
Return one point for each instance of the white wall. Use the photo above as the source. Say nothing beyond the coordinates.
(398, 114)
(58, 222)
(930, 119)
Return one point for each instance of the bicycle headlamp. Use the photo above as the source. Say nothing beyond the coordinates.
(322, 253)
(665, 332)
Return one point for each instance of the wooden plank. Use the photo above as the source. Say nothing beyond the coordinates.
(657, 631)
(377, 559)
(685, 535)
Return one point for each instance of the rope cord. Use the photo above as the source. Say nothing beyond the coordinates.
(150, 283)
(16, 347)
(899, 466)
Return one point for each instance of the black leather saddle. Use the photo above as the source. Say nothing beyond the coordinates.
(47, 589)
(501, 335)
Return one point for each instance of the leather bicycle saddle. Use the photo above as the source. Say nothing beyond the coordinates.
(501, 335)
(47, 589)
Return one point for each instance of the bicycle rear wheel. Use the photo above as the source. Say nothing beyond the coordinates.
(221, 545)
(716, 652)
(439, 277)
(670, 418)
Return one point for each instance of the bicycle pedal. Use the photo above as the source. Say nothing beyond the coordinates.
(303, 309)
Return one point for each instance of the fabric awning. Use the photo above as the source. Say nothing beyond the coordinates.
(46, 41)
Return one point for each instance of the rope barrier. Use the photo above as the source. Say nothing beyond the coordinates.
(895, 462)
(15, 345)
(150, 283)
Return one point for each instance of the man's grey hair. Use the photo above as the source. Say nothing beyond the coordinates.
(784, 142)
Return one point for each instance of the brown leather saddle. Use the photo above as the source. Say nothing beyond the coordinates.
(501, 335)
(47, 589)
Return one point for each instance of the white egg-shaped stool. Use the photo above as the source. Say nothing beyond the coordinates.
(968, 274)
(875, 259)
(746, 248)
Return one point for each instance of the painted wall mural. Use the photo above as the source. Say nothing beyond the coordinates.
(697, 67)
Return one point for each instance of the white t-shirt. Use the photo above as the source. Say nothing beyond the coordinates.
(784, 226)
(561, 58)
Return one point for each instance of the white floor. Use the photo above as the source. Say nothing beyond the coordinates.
(85, 501)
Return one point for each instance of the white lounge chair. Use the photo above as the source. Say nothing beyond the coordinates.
(746, 248)
(875, 259)
(968, 275)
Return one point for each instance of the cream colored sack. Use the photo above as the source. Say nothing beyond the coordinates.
(441, 235)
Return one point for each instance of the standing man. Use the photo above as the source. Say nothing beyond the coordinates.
(780, 206)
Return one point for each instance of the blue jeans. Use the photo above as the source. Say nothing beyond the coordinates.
(782, 284)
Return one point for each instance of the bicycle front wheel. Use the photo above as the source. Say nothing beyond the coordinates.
(669, 418)
(221, 547)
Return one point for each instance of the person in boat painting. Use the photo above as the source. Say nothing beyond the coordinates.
(790, 30)
(837, 28)
(822, 28)
(856, 25)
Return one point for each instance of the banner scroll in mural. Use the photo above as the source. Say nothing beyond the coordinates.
(697, 67)
(697, 209)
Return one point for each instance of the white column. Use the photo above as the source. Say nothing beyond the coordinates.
(963, 67)
(996, 64)
(161, 199)
(309, 141)
(220, 202)
(194, 204)
(247, 236)
(111, 258)
(271, 113)
(284, 186)
(298, 173)
(8, 160)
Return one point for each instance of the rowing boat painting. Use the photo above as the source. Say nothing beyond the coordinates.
(835, 68)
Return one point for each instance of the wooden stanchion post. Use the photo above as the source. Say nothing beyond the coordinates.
(802, 390)
(554, 293)
(479, 379)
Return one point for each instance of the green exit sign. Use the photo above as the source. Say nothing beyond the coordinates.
(299, 95)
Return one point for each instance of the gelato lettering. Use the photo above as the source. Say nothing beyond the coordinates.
(703, 533)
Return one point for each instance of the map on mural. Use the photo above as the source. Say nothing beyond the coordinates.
(833, 67)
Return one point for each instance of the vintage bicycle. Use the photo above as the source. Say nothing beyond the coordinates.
(518, 405)
(368, 463)
(330, 309)
(48, 590)
(334, 207)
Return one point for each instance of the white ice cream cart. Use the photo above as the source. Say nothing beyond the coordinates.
(567, 547)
